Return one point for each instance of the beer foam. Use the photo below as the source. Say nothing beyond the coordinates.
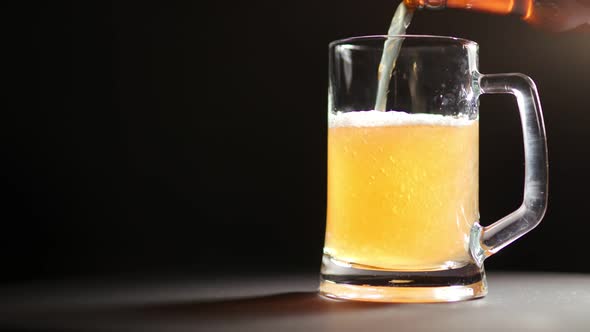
(393, 118)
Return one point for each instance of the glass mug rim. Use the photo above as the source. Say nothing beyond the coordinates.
(451, 40)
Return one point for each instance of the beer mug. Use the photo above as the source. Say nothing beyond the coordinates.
(403, 210)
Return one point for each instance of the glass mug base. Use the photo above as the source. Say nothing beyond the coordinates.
(340, 280)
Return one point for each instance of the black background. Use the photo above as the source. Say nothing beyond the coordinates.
(189, 138)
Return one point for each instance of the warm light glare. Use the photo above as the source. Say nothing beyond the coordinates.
(529, 10)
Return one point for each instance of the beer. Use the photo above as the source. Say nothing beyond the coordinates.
(399, 23)
(402, 189)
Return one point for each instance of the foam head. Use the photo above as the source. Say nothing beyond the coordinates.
(393, 118)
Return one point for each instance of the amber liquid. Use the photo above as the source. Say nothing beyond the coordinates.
(402, 196)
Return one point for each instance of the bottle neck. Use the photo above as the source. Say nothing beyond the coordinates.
(428, 4)
(519, 7)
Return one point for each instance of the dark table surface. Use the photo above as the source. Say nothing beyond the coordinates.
(516, 302)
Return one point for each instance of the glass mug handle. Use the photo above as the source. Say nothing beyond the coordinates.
(486, 241)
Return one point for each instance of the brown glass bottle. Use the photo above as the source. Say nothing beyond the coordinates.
(556, 15)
